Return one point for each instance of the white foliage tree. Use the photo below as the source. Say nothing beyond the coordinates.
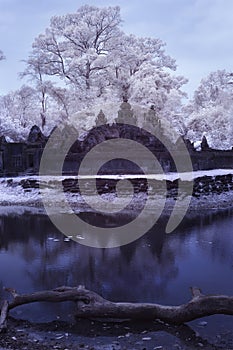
(52, 100)
(210, 113)
(76, 46)
(89, 52)
(18, 112)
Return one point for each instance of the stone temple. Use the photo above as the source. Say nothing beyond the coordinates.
(23, 158)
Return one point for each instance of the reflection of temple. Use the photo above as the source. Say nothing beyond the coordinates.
(24, 157)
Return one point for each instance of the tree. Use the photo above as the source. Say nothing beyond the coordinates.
(89, 52)
(151, 85)
(76, 46)
(142, 70)
(214, 89)
(50, 98)
(210, 112)
(21, 109)
(18, 112)
(34, 71)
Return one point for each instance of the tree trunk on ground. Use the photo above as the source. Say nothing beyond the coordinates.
(91, 305)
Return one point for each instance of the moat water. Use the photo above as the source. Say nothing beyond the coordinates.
(157, 268)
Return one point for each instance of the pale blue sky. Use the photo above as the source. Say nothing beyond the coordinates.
(198, 33)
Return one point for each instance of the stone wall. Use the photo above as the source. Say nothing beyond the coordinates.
(204, 185)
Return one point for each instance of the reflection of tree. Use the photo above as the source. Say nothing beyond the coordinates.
(155, 239)
(110, 271)
(20, 228)
(222, 243)
(213, 232)
(128, 251)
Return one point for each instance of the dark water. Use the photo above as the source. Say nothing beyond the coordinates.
(156, 268)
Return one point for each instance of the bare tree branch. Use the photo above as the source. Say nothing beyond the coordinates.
(91, 305)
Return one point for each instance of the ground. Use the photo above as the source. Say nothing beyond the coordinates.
(96, 335)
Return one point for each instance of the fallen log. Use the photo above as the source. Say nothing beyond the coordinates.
(199, 306)
(91, 305)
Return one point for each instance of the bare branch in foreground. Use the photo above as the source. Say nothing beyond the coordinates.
(91, 305)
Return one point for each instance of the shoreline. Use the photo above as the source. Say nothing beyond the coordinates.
(94, 335)
(98, 335)
(31, 202)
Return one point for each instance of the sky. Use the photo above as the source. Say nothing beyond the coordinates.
(197, 33)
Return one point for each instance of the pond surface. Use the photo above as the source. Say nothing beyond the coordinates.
(156, 268)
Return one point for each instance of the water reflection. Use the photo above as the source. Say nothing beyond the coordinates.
(156, 268)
